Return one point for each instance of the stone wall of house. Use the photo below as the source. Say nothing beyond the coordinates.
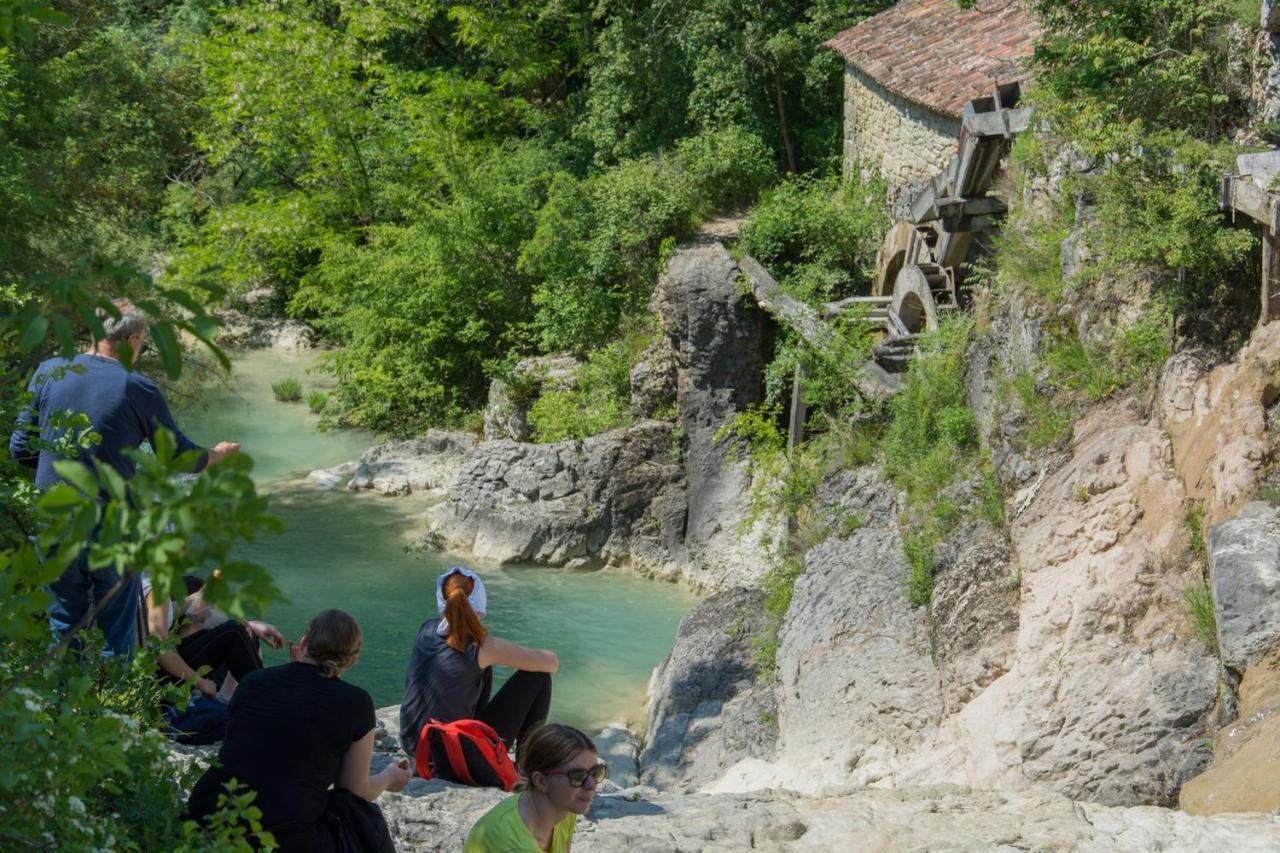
(909, 142)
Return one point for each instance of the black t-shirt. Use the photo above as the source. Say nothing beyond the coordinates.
(288, 731)
(441, 683)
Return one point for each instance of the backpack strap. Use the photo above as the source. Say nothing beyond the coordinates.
(453, 749)
(422, 752)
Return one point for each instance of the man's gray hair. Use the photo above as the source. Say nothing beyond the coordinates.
(132, 320)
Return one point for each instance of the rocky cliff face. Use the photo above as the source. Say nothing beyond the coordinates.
(1060, 658)
(717, 336)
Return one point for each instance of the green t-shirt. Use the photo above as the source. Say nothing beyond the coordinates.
(502, 830)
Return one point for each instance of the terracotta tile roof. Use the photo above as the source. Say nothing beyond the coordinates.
(938, 55)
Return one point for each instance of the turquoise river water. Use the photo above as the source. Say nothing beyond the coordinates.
(349, 550)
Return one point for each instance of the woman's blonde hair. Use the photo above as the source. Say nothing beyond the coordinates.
(464, 622)
(548, 747)
(333, 641)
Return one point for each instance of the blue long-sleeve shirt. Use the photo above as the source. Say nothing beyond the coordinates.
(125, 408)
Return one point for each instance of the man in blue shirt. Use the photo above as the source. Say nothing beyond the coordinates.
(124, 408)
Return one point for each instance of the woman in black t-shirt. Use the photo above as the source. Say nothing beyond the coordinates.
(450, 674)
(296, 730)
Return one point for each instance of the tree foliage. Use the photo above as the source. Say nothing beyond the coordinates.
(439, 185)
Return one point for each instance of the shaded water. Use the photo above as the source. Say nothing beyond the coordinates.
(349, 550)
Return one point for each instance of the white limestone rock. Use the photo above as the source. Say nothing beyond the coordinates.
(333, 478)
(413, 466)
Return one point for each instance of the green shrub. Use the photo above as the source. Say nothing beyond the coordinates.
(990, 498)
(600, 399)
(757, 435)
(316, 400)
(779, 585)
(818, 236)
(766, 648)
(1270, 493)
(1129, 359)
(1158, 207)
(931, 444)
(829, 373)
(728, 168)
(850, 523)
(956, 426)
(1074, 368)
(1029, 256)
(288, 390)
(928, 437)
(1104, 67)
(596, 248)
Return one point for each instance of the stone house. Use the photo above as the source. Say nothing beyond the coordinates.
(910, 70)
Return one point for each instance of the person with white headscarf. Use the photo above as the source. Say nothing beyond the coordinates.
(450, 675)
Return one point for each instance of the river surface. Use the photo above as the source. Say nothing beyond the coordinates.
(351, 551)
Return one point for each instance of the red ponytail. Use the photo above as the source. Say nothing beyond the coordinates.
(464, 623)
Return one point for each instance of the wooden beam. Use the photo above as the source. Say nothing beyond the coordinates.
(799, 411)
(966, 224)
(1253, 201)
(878, 304)
(806, 323)
(956, 207)
(1004, 123)
(1270, 278)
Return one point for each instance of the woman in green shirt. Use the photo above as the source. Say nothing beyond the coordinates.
(559, 774)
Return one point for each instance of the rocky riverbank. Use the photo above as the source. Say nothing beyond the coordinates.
(626, 816)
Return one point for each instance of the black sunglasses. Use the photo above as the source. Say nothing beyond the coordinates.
(577, 776)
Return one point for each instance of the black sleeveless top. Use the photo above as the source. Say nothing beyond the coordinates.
(441, 684)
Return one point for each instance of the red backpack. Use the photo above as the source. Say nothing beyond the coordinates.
(466, 751)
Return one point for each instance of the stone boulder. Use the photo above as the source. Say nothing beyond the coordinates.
(619, 747)
(1246, 754)
(507, 415)
(706, 710)
(426, 464)
(717, 336)
(1244, 571)
(574, 504)
(333, 478)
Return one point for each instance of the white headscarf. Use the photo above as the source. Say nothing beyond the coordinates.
(477, 597)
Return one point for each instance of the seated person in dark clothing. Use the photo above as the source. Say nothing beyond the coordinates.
(450, 673)
(205, 639)
(297, 730)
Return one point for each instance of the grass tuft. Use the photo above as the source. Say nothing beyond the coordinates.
(288, 390)
(1199, 601)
